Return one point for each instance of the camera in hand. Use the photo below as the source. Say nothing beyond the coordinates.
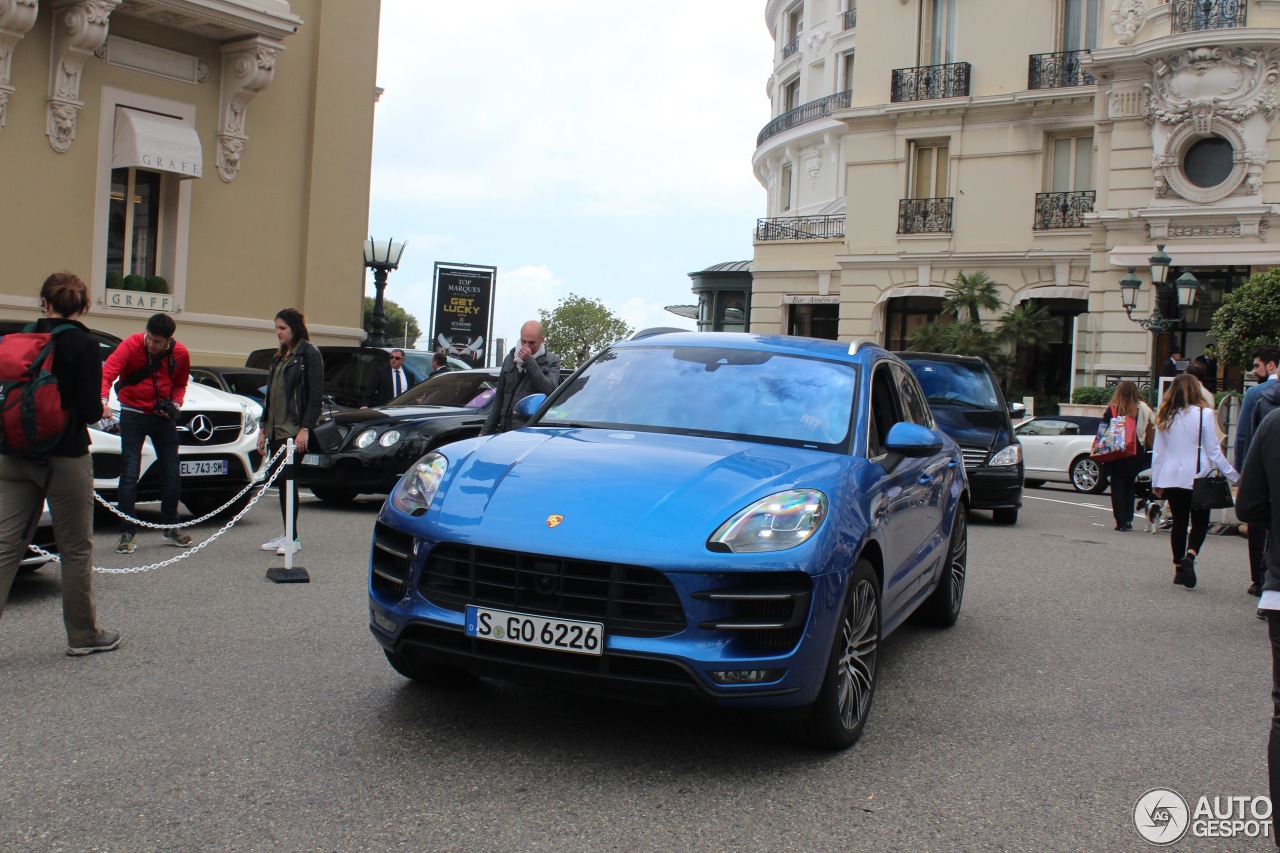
(168, 407)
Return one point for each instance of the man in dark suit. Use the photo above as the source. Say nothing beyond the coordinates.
(389, 382)
(1171, 366)
(439, 363)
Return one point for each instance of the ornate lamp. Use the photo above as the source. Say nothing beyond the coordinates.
(381, 256)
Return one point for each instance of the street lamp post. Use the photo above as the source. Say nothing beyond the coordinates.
(381, 256)
(1186, 287)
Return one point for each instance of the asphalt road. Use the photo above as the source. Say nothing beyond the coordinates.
(241, 715)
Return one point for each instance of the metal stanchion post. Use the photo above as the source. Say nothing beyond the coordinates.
(290, 573)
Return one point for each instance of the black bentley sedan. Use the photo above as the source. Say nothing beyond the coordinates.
(366, 450)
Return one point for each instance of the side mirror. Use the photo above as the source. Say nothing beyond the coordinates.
(912, 440)
(1017, 410)
(529, 405)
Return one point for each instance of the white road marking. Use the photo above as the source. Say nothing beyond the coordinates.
(1068, 503)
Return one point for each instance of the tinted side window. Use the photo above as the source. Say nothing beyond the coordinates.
(917, 410)
(885, 409)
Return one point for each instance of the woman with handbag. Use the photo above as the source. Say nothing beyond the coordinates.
(1123, 473)
(1183, 471)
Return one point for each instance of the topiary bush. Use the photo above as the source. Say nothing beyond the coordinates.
(115, 280)
(157, 284)
(1092, 395)
(135, 282)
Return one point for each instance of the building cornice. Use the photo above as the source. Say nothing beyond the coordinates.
(219, 19)
(991, 259)
(1107, 61)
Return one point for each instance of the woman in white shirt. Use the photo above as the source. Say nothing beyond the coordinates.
(1185, 448)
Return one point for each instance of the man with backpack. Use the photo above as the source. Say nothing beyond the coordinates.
(152, 369)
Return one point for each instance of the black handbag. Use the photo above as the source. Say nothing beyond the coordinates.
(1212, 491)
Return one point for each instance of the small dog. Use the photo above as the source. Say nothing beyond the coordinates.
(1152, 510)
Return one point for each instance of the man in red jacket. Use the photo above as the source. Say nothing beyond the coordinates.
(152, 369)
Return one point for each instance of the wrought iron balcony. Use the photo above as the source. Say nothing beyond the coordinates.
(1058, 71)
(789, 49)
(800, 228)
(924, 215)
(1063, 210)
(926, 82)
(851, 19)
(1194, 15)
(811, 111)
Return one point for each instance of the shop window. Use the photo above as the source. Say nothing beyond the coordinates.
(134, 233)
(905, 314)
(814, 321)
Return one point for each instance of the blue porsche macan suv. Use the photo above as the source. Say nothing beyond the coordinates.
(727, 517)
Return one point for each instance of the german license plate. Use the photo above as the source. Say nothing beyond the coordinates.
(204, 468)
(540, 632)
(311, 459)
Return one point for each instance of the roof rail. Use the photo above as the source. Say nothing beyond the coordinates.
(656, 330)
(853, 346)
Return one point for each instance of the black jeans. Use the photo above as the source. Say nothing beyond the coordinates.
(1180, 506)
(163, 432)
(1257, 550)
(272, 446)
(1273, 743)
(1124, 484)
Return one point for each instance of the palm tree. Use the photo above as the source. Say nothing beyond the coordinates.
(973, 293)
(1026, 328)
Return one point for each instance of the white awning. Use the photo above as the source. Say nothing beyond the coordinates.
(161, 143)
(1052, 291)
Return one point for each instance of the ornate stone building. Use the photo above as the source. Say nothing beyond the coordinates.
(1053, 147)
(210, 158)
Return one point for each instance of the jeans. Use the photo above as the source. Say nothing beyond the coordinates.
(163, 432)
(272, 446)
(1257, 550)
(1180, 506)
(1123, 474)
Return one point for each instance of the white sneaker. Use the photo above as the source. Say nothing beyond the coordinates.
(285, 547)
(275, 544)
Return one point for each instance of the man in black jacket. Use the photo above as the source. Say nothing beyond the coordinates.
(389, 382)
(1259, 482)
(527, 369)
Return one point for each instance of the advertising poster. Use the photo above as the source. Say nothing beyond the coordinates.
(462, 319)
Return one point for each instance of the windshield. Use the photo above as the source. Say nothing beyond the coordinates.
(464, 390)
(730, 393)
(956, 383)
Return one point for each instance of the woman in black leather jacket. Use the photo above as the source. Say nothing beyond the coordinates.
(292, 406)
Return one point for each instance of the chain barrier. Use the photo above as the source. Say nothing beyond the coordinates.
(262, 490)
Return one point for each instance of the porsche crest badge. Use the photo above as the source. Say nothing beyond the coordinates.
(553, 520)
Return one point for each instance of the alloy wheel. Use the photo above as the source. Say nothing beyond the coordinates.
(1085, 474)
(959, 560)
(860, 639)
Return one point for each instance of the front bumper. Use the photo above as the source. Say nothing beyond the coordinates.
(672, 668)
(995, 488)
(374, 469)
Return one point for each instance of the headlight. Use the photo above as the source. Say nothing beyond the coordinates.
(366, 438)
(416, 489)
(1011, 455)
(389, 437)
(250, 422)
(775, 523)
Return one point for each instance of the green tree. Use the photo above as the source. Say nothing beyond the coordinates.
(973, 293)
(397, 317)
(579, 327)
(1249, 318)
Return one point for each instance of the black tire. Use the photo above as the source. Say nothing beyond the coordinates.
(1008, 515)
(1086, 475)
(203, 503)
(1033, 484)
(942, 607)
(334, 494)
(839, 714)
(428, 673)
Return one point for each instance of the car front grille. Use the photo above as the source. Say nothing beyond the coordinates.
(392, 561)
(207, 429)
(631, 601)
(765, 611)
(974, 457)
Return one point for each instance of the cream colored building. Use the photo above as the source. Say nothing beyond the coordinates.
(1050, 143)
(223, 146)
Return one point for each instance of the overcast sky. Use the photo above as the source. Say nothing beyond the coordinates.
(593, 147)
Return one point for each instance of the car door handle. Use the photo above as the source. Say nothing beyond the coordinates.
(925, 479)
(952, 464)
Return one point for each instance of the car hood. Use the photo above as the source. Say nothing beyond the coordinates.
(619, 495)
(396, 414)
(971, 427)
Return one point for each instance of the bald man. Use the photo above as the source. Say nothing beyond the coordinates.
(527, 369)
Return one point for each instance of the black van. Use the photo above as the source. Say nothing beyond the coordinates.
(968, 406)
